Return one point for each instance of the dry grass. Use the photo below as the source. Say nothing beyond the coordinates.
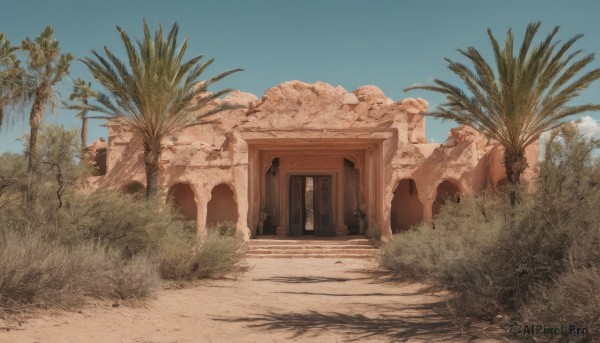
(34, 271)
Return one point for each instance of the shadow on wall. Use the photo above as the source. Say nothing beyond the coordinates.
(406, 211)
(181, 197)
(221, 207)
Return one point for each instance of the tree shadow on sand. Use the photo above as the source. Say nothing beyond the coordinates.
(306, 279)
(429, 325)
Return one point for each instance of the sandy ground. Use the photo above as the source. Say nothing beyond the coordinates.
(277, 300)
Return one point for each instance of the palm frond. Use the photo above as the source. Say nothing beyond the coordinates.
(526, 93)
(155, 91)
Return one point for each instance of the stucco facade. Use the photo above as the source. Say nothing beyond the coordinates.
(367, 154)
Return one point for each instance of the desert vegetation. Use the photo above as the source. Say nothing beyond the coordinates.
(60, 242)
(72, 243)
(537, 262)
(534, 258)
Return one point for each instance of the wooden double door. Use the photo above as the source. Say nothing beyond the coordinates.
(311, 205)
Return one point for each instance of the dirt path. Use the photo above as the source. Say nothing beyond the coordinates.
(278, 300)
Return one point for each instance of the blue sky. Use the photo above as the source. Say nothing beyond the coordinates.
(391, 44)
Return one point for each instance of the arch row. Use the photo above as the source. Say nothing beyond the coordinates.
(207, 210)
(408, 209)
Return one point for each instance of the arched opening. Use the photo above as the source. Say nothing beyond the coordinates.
(270, 211)
(221, 207)
(181, 197)
(352, 213)
(134, 188)
(406, 210)
(446, 191)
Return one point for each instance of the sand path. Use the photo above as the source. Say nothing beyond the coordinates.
(277, 300)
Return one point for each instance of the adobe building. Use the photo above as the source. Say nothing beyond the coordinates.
(310, 159)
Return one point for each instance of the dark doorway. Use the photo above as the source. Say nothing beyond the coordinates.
(311, 206)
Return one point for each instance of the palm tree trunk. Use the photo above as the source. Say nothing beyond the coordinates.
(515, 164)
(35, 119)
(84, 128)
(1, 114)
(32, 164)
(84, 133)
(151, 158)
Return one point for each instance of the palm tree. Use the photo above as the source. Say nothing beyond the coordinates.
(11, 77)
(46, 66)
(524, 96)
(156, 93)
(82, 92)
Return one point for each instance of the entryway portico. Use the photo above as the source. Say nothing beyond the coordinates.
(345, 172)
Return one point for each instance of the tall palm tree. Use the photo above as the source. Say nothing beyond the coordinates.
(82, 92)
(156, 93)
(525, 94)
(46, 66)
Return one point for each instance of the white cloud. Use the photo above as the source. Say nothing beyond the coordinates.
(589, 127)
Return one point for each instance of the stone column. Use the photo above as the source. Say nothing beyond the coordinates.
(241, 194)
(427, 210)
(341, 227)
(284, 186)
(252, 187)
(201, 211)
(371, 193)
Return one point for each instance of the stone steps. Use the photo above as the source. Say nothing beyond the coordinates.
(302, 248)
(321, 242)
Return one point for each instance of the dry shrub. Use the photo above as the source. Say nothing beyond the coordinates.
(68, 244)
(573, 299)
(214, 255)
(219, 255)
(497, 258)
(34, 271)
(461, 230)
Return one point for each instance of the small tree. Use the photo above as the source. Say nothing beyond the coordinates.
(58, 153)
(156, 93)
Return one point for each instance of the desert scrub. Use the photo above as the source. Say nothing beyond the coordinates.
(497, 257)
(34, 271)
(220, 255)
(219, 252)
(572, 299)
(459, 233)
(72, 243)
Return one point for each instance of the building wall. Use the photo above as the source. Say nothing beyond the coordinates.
(312, 128)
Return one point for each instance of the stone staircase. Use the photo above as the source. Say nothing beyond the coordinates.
(334, 247)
